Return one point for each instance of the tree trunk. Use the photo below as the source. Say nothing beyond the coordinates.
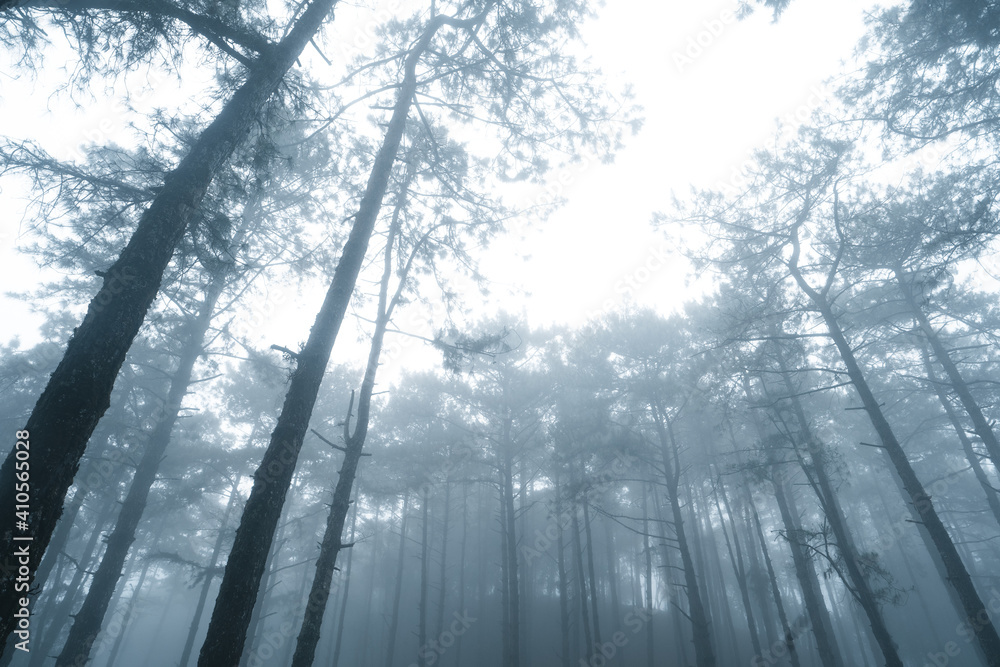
(704, 653)
(79, 391)
(443, 572)
(739, 569)
(581, 580)
(209, 578)
(591, 574)
(127, 617)
(401, 561)
(816, 471)
(790, 635)
(563, 582)
(947, 557)
(341, 617)
(650, 657)
(992, 496)
(372, 575)
(819, 615)
(227, 630)
(979, 422)
(87, 622)
(424, 581)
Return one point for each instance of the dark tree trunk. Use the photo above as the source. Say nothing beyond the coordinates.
(461, 565)
(819, 615)
(312, 622)
(443, 572)
(581, 580)
(227, 630)
(79, 391)
(819, 478)
(591, 573)
(87, 622)
(947, 556)
(342, 616)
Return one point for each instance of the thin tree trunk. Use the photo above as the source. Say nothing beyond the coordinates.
(946, 555)
(979, 422)
(738, 568)
(591, 574)
(704, 653)
(424, 581)
(563, 583)
(992, 496)
(401, 561)
(209, 578)
(819, 615)
(443, 572)
(87, 622)
(79, 391)
(461, 565)
(372, 573)
(127, 617)
(227, 630)
(790, 636)
(650, 655)
(816, 471)
(347, 589)
(581, 579)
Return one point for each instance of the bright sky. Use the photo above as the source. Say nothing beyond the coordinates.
(711, 87)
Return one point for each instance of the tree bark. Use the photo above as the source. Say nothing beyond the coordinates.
(87, 622)
(227, 631)
(79, 391)
(947, 556)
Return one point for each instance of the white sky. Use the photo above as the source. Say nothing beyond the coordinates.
(711, 87)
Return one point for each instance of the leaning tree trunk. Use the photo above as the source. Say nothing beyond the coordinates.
(982, 426)
(209, 578)
(739, 569)
(88, 620)
(342, 616)
(992, 495)
(819, 479)
(790, 637)
(704, 653)
(230, 618)
(805, 571)
(945, 554)
(312, 622)
(79, 391)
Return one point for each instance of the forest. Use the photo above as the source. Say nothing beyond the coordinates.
(266, 402)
